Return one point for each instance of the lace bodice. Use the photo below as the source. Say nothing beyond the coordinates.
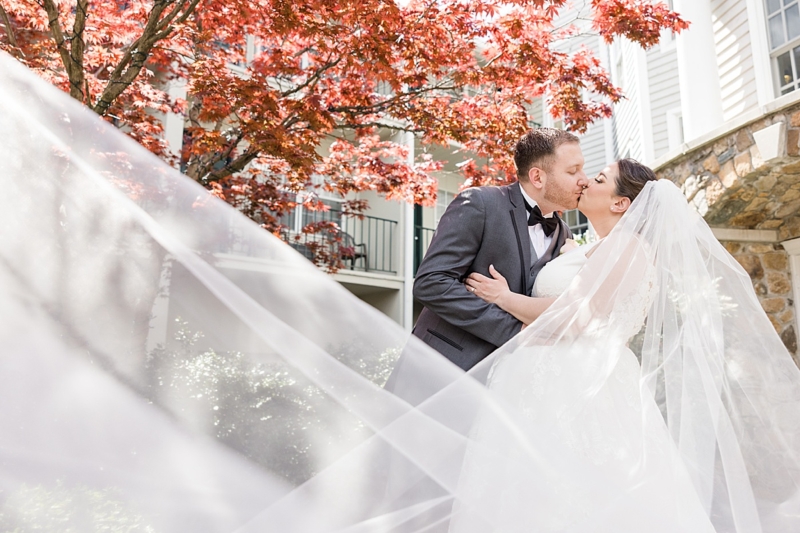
(629, 311)
(556, 275)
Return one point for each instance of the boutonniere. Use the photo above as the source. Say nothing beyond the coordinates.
(569, 244)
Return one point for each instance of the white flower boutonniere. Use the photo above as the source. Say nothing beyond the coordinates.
(569, 244)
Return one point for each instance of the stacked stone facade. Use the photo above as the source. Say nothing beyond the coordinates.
(733, 187)
(768, 267)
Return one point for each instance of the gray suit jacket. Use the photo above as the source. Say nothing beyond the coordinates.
(483, 226)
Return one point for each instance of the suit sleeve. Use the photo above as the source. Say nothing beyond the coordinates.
(439, 282)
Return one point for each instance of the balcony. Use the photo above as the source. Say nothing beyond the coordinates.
(364, 243)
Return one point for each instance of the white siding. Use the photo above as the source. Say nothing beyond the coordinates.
(665, 93)
(536, 111)
(594, 148)
(593, 140)
(734, 57)
(626, 113)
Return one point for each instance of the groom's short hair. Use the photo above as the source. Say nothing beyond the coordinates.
(537, 148)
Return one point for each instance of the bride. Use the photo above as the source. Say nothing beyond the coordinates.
(660, 439)
(167, 366)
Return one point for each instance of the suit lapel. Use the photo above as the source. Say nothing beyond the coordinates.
(519, 220)
(555, 244)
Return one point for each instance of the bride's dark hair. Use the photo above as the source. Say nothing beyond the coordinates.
(632, 178)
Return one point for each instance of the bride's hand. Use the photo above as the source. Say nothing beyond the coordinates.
(493, 289)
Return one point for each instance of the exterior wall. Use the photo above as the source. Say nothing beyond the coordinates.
(594, 148)
(537, 111)
(627, 123)
(734, 57)
(768, 267)
(665, 94)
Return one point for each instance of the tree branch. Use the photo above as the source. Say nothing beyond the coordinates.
(72, 56)
(131, 64)
(166, 21)
(12, 39)
(383, 105)
(77, 49)
(61, 45)
(395, 127)
(237, 165)
(312, 79)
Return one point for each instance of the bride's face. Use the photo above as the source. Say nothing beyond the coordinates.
(599, 195)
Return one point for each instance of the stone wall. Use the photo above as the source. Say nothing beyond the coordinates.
(768, 267)
(733, 187)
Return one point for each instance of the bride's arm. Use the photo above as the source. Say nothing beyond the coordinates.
(495, 290)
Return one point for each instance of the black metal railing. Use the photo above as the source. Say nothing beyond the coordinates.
(363, 243)
(422, 239)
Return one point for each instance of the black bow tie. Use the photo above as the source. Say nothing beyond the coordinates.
(535, 216)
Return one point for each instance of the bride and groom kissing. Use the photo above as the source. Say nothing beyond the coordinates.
(493, 243)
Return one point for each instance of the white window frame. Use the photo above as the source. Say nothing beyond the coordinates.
(296, 225)
(579, 229)
(666, 42)
(675, 133)
(439, 208)
(787, 47)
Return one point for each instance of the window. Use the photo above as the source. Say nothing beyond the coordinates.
(302, 216)
(443, 199)
(333, 214)
(576, 221)
(619, 74)
(675, 128)
(667, 39)
(783, 27)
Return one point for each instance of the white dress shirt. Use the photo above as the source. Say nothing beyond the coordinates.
(539, 240)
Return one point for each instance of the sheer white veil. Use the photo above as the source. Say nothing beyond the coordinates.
(169, 366)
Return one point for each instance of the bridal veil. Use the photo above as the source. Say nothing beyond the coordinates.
(167, 366)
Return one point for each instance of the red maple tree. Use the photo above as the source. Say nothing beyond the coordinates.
(270, 81)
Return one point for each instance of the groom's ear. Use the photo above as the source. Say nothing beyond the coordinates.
(535, 176)
(621, 204)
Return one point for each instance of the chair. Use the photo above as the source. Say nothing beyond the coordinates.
(350, 251)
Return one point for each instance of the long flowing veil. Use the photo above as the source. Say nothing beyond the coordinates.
(169, 366)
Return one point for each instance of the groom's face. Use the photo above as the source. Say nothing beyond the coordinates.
(564, 179)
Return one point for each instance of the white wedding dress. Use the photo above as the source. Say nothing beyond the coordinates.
(602, 441)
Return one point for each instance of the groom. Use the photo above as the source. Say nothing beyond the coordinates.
(515, 228)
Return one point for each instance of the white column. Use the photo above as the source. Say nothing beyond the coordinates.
(792, 247)
(759, 44)
(701, 97)
(173, 123)
(408, 249)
